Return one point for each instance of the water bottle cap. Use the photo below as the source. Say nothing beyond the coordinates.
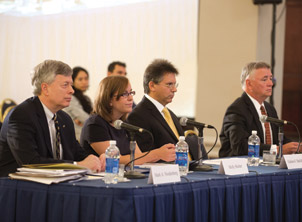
(112, 142)
(181, 138)
(254, 132)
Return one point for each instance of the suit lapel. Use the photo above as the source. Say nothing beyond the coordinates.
(43, 123)
(157, 115)
(255, 115)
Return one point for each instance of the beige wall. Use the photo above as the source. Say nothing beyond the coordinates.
(264, 45)
(227, 41)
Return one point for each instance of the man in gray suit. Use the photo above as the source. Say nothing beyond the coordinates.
(38, 131)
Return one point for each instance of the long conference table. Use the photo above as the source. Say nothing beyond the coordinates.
(265, 194)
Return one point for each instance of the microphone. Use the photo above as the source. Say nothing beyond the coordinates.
(184, 121)
(119, 124)
(279, 122)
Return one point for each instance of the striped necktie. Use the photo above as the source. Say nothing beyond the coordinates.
(268, 139)
(57, 139)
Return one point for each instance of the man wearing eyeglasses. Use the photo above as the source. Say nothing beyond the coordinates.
(151, 113)
(37, 131)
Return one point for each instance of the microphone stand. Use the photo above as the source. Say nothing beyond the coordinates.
(201, 166)
(133, 174)
(280, 138)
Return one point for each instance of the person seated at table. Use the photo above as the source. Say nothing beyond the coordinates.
(114, 102)
(38, 131)
(80, 105)
(243, 115)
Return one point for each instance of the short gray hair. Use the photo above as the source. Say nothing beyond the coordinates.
(249, 68)
(46, 72)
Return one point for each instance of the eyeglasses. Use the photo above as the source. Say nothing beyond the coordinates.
(126, 94)
(171, 85)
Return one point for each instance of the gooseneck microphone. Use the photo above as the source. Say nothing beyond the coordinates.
(185, 121)
(119, 124)
(279, 122)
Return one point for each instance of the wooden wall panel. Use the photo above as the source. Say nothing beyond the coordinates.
(292, 79)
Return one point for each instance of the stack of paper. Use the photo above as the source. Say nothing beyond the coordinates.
(49, 173)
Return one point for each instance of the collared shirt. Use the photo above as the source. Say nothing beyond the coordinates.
(52, 130)
(157, 104)
(257, 106)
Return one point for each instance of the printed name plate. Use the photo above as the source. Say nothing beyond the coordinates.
(233, 166)
(164, 174)
(293, 161)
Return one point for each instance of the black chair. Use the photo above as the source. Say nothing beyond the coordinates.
(5, 107)
(192, 140)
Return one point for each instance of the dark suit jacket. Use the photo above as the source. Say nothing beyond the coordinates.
(147, 116)
(240, 119)
(25, 138)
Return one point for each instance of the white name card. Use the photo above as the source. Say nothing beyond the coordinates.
(293, 161)
(233, 166)
(164, 174)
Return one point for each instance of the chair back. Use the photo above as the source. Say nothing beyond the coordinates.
(192, 140)
(5, 107)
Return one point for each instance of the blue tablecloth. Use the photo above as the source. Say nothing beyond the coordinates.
(265, 194)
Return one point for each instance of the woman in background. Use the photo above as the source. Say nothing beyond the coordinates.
(114, 102)
(80, 106)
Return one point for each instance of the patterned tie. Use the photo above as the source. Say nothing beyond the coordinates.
(170, 122)
(268, 138)
(58, 138)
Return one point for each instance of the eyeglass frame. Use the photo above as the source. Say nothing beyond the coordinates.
(171, 85)
(126, 94)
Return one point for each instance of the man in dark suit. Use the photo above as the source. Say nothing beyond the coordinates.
(28, 134)
(159, 87)
(243, 115)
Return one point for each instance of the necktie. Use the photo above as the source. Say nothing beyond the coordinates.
(268, 138)
(58, 138)
(170, 122)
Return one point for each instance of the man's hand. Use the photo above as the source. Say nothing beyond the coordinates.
(93, 163)
(289, 148)
(166, 152)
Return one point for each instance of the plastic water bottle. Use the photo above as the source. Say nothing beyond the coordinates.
(253, 149)
(273, 149)
(112, 163)
(182, 149)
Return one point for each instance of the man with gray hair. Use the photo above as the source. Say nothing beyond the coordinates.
(243, 115)
(38, 131)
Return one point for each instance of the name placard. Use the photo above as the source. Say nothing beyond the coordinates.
(292, 161)
(233, 166)
(164, 174)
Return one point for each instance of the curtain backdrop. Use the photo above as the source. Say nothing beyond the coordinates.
(92, 38)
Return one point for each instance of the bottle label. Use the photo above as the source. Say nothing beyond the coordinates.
(181, 158)
(253, 150)
(112, 165)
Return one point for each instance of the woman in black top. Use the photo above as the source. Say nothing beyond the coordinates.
(114, 101)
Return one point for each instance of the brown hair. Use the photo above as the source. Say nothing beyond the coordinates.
(107, 88)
